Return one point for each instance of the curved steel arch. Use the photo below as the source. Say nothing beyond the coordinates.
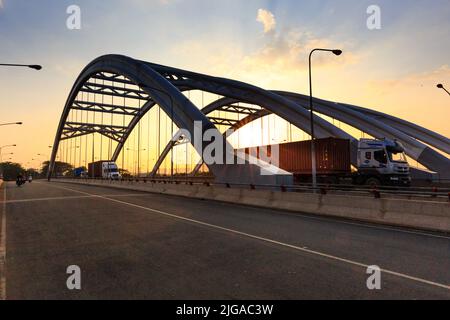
(164, 85)
(184, 114)
(425, 135)
(377, 119)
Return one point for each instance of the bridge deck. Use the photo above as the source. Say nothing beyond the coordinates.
(136, 245)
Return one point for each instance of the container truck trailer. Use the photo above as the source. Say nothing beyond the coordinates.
(104, 170)
(379, 162)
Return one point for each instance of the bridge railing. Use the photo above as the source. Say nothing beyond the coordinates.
(413, 193)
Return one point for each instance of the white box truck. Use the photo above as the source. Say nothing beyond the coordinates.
(104, 170)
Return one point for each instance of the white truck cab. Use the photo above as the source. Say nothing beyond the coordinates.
(110, 171)
(382, 162)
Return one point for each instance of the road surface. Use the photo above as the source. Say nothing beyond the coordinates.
(131, 245)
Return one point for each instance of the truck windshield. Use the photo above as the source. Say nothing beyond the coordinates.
(380, 156)
(397, 157)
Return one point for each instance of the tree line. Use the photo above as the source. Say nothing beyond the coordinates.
(10, 170)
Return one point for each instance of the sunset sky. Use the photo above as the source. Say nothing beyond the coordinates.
(266, 43)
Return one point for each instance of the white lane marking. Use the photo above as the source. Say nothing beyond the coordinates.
(71, 198)
(286, 245)
(3, 249)
(327, 219)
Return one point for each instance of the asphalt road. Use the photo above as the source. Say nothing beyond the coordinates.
(132, 245)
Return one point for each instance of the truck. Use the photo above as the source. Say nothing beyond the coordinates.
(104, 170)
(379, 162)
(382, 162)
(79, 172)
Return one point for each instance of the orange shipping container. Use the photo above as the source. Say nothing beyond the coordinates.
(332, 156)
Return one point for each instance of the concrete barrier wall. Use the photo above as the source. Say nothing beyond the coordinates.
(426, 215)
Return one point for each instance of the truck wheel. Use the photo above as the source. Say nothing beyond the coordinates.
(373, 182)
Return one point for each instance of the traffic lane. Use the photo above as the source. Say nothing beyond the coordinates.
(40, 190)
(32, 191)
(127, 253)
(418, 255)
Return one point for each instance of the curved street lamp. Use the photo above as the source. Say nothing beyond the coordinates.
(11, 123)
(42, 155)
(1, 157)
(31, 66)
(441, 86)
(8, 146)
(336, 52)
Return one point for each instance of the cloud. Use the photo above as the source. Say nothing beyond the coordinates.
(1, 4)
(272, 62)
(281, 57)
(286, 50)
(267, 19)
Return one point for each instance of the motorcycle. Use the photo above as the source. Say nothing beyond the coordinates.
(20, 182)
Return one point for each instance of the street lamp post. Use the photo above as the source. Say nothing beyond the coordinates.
(31, 66)
(311, 107)
(3, 147)
(11, 124)
(441, 86)
(1, 159)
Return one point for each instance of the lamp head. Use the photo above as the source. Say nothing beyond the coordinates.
(35, 67)
(337, 52)
(440, 86)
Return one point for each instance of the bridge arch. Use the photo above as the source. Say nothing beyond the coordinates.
(164, 86)
(157, 90)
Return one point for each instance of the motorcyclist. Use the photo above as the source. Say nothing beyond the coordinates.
(30, 178)
(19, 180)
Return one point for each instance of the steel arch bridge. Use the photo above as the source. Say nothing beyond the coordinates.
(129, 80)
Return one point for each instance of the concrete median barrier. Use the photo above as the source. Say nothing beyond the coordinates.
(424, 215)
